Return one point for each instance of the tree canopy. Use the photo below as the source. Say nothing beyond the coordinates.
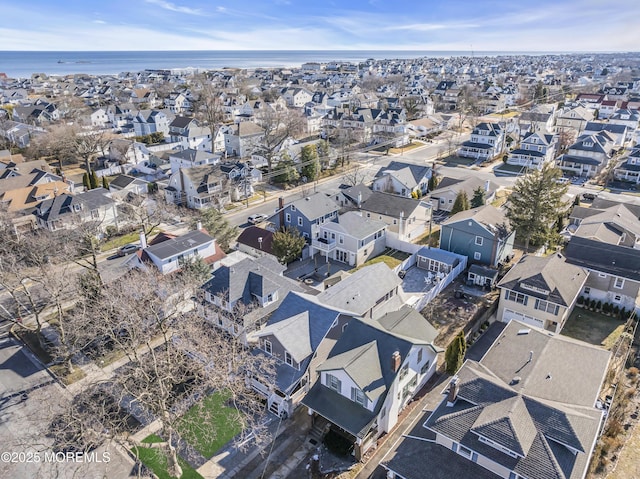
(287, 245)
(479, 197)
(217, 226)
(535, 204)
(461, 203)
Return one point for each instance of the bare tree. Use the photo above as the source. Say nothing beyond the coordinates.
(147, 212)
(354, 176)
(278, 126)
(209, 107)
(175, 360)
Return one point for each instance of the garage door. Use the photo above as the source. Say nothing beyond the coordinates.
(509, 315)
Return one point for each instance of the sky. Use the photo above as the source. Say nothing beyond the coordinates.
(460, 25)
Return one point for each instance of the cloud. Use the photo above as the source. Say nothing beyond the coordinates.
(175, 8)
(100, 22)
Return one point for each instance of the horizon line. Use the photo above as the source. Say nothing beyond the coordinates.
(473, 52)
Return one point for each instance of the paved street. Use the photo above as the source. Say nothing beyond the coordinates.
(29, 399)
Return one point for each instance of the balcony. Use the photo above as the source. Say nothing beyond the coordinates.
(324, 244)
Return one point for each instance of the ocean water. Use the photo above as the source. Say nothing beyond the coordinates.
(23, 64)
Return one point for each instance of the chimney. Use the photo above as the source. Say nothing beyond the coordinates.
(359, 199)
(281, 211)
(143, 240)
(395, 361)
(199, 225)
(452, 395)
(260, 242)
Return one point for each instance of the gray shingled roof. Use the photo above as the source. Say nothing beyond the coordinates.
(545, 415)
(186, 242)
(408, 174)
(293, 335)
(314, 206)
(354, 224)
(488, 216)
(248, 278)
(357, 293)
(553, 274)
(389, 205)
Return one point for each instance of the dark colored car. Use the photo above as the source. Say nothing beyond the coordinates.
(128, 249)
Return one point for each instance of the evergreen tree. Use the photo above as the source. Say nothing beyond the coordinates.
(461, 203)
(93, 180)
(535, 204)
(433, 182)
(454, 355)
(479, 197)
(287, 245)
(85, 181)
(310, 162)
(105, 183)
(217, 226)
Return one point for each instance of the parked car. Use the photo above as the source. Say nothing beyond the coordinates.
(257, 218)
(128, 249)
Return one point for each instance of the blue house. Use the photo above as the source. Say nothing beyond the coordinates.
(306, 214)
(482, 234)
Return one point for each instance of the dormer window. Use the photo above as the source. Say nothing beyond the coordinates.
(358, 396)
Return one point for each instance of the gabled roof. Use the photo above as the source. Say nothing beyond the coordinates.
(176, 246)
(543, 410)
(247, 279)
(354, 224)
(468, 184)
(550, 278)
(293, 334)
(408, 174)
(257, 238)
(314, 206)
(357, 294)
(390, 205)
(63, 204)
(409, 324)
(490, 217)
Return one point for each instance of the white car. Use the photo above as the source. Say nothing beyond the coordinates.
(257, 218)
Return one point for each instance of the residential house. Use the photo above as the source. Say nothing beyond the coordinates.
(172, 253)
(362, 298)
(482, 234)
(123, 185)
(404, 179)
(406, 218)
(540, 291)
(352, 239)
(629, 169)
(486, 142)
(190, 134)
(534, 121)
(527, 409)
(241, 139)
(574, 118)
(239, 296)
(536, 149)
(306, 214)
(619, 134)
(588, 156)
(146, 122)
(297, 97)
(65, 211)
(189, 158)
(371, 374)
(626, 117)
(606, 241)
(298, 336)
(208, 186)
(177, 102)
(444, 195)
(256, 242)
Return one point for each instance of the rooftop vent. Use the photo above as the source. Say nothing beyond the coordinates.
(522, 332)
(515, 380)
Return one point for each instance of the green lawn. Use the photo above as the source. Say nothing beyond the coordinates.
(593, 327)
(155, 460)
(119, 241)
(390, 261)
(209, 425)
